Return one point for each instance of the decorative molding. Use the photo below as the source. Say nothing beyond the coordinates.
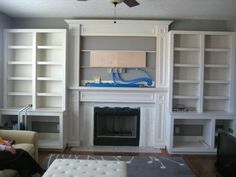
(117, 97)
(121, 28)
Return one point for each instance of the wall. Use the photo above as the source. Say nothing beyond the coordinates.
(207, 25)
(39, 23)
(5, 22)
(200, 25)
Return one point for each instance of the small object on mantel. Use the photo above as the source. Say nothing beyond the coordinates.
(97, 79)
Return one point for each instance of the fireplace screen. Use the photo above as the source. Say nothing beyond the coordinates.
(116, 126)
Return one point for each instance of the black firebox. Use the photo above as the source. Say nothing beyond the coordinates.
(116, 126)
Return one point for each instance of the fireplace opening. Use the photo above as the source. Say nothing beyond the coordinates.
(116, 126)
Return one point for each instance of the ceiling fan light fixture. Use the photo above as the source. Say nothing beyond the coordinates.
(116, 1)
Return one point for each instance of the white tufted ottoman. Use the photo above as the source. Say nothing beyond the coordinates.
(86, 168)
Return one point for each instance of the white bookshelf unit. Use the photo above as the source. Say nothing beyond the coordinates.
(35, 71)
(201, 89)
(35, 68)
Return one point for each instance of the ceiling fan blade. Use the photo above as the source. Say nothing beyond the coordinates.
(131, 3)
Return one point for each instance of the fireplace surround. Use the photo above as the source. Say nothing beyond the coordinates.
(116, 126)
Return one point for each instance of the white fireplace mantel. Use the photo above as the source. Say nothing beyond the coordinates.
(152, 101)
(152, 118)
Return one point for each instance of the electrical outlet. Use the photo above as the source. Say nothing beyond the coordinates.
(177, 130)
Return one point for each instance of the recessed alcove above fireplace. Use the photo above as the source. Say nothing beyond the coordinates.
(116, 126)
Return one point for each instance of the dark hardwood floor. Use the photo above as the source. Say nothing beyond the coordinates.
(201, 165)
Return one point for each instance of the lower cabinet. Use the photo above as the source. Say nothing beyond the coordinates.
(197, 133)
(50, 125)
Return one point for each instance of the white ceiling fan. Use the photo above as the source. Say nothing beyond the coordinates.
(130, 3)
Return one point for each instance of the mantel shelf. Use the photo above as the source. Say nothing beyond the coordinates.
(89, 67)
(164, 89)
(120, 50)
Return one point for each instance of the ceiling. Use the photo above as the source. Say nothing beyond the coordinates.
(148, 9)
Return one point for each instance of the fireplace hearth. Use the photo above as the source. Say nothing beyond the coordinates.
(116, 126)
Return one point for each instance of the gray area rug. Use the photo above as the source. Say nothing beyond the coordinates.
(138, 166)
(116, 149)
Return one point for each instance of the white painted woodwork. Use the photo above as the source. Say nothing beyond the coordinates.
(152, 121)
(201, 77)
(117, 97)
(206, 69)
(117, 59)
(35, 73)
(152, 101)
(121, 28)
(73, 118)
(204, 144)
(161, 120)
(157, 29)
(39, 57)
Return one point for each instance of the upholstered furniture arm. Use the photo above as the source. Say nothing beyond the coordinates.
(21, 136)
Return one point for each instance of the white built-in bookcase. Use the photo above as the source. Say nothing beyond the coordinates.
(35, 68)
(35, 73)
(201, 88)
